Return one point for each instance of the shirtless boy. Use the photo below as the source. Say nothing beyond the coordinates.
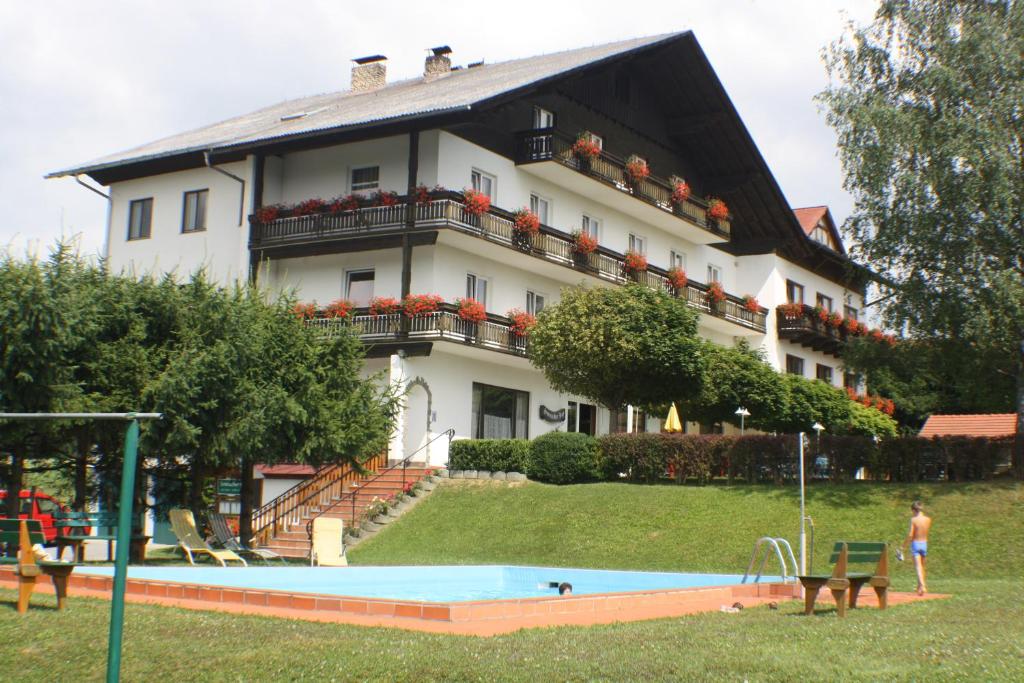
(917, 539)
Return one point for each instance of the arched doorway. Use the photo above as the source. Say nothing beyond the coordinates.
(418, 406)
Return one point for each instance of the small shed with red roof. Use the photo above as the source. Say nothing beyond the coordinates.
(990, 425)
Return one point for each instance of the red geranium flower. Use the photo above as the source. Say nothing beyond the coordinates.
(716, 293)
(422, 194)
(791, 311)
(415, 305)
(310, 206)
(635, 262)
(383, 305)
(476, 202)
(304, 311)
(527, 222)
(676, 277)
(680, 191)
(834, 320)
(339, 308)
(637, 168)
(522, 322)
(717, 209)
(471, 310)
(266, 214)
(750, 303)
(585, 146)
(385, 199)
(584, 242)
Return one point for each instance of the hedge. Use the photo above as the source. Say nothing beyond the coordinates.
(491, 455)
(563, 458)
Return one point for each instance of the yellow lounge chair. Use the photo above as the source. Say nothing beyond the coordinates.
(184, 526)
(328, 549)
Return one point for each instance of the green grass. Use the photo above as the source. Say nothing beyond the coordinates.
(978, 634)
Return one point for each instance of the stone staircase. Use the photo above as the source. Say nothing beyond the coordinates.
(292, 539)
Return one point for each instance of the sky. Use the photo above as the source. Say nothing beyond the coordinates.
(81, 80)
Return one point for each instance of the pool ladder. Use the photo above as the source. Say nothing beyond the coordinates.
(776, 544)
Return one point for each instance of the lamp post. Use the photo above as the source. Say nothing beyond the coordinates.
(743, 413)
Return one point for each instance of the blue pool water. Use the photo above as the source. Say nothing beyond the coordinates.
(430, 584)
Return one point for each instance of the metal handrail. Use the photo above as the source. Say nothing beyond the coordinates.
(775, 543)
(403, 463)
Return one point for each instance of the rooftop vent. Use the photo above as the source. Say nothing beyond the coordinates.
(369, 73)
(438, 63)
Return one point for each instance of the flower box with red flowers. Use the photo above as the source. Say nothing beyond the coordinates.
(471, 310)
(792, 311)
(676, 278)
(417, 305)
(309, 207)
(834, 320)
(267, 214)
(586, 147)
(476, 202)
(384, 199)
(680, 190)
(304, 311)
(384, 305)
(717, 209)
(637, 168)
(750, 303)
(339, 308)
(583, 242)
(635, 262)
(526, 222)
(521, 322)
(716, 293)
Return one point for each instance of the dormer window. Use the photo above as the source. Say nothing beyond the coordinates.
(821, 235)
(542, 118)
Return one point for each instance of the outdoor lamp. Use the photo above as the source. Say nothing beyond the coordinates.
(743, 413)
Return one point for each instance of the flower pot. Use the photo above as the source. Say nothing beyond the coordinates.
(522, 241)
(581, 260)
(718, 307)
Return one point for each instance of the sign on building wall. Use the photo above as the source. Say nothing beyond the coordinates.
(549, 415)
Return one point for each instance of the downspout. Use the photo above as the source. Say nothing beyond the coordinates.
(110, 205)
(241, 181)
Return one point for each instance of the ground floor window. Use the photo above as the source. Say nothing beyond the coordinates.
(794, 365)
(500, 413)
(824, 373)
(581, 417)
(617, 421)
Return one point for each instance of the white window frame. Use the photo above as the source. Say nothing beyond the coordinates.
(535, 201)
(598, 139)
(543, 118)
(677, 259)
(714, 273)
(477, 280)
(364, 187)
(476, 178)
(592, 226)
(531, 301)
(347, 283)
(797, 287)
(818, 297)
(637, 243)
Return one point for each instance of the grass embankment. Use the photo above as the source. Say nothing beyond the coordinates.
(976, 635)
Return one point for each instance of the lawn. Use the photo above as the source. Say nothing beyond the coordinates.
(975, 635)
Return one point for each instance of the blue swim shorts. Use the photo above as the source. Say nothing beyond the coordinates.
(919, 548)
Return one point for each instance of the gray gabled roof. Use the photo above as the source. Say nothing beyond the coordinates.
(412, 98)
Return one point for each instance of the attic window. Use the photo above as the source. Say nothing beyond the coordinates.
(821, 235)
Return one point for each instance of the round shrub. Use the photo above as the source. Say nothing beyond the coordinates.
(563, 458)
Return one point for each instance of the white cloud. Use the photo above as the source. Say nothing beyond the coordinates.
(79, 81)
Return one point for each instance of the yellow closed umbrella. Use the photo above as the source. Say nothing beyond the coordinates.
(672, 423)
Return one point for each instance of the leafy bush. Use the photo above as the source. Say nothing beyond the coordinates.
(649, 457)
(563, 458)
(491, 455)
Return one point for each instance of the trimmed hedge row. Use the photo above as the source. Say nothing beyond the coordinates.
(565, 458)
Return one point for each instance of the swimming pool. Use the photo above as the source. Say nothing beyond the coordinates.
(444, 584)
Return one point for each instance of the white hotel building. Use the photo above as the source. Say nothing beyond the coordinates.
(506, 129)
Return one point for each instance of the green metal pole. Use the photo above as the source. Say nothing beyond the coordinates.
(124, 538)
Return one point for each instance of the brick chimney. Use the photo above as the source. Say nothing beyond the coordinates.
(369, 73)
(438, 63)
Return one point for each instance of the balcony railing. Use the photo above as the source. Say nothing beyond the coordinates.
(495, 333)
(806, 329)
(549, 144)
(445, 210)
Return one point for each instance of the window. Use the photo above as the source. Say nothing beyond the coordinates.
(500, 413)
(794, 365)
(850, 380)
(591, 226)
(714, 273)
(359, 287)
(637, 244)
(850, 312)
(617, 420)
(598, 139)
(140, 218)
(677, 259)
(821, 235)
(534, 302)
(476, 288)
(794, 292)
(582, 418)
(482, 182)
(193, 216)
(541, 207)
(542, 118)
(824, 302)
(365, 179)
(824, 373)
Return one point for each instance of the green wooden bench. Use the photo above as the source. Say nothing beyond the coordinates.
(841, 581)
(74, 524)
(23, 534)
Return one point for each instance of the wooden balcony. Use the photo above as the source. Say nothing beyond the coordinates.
(548, 154)
(445, 324)
(808, 330)
(446, 211)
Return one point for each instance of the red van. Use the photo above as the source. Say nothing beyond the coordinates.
(44, 507)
